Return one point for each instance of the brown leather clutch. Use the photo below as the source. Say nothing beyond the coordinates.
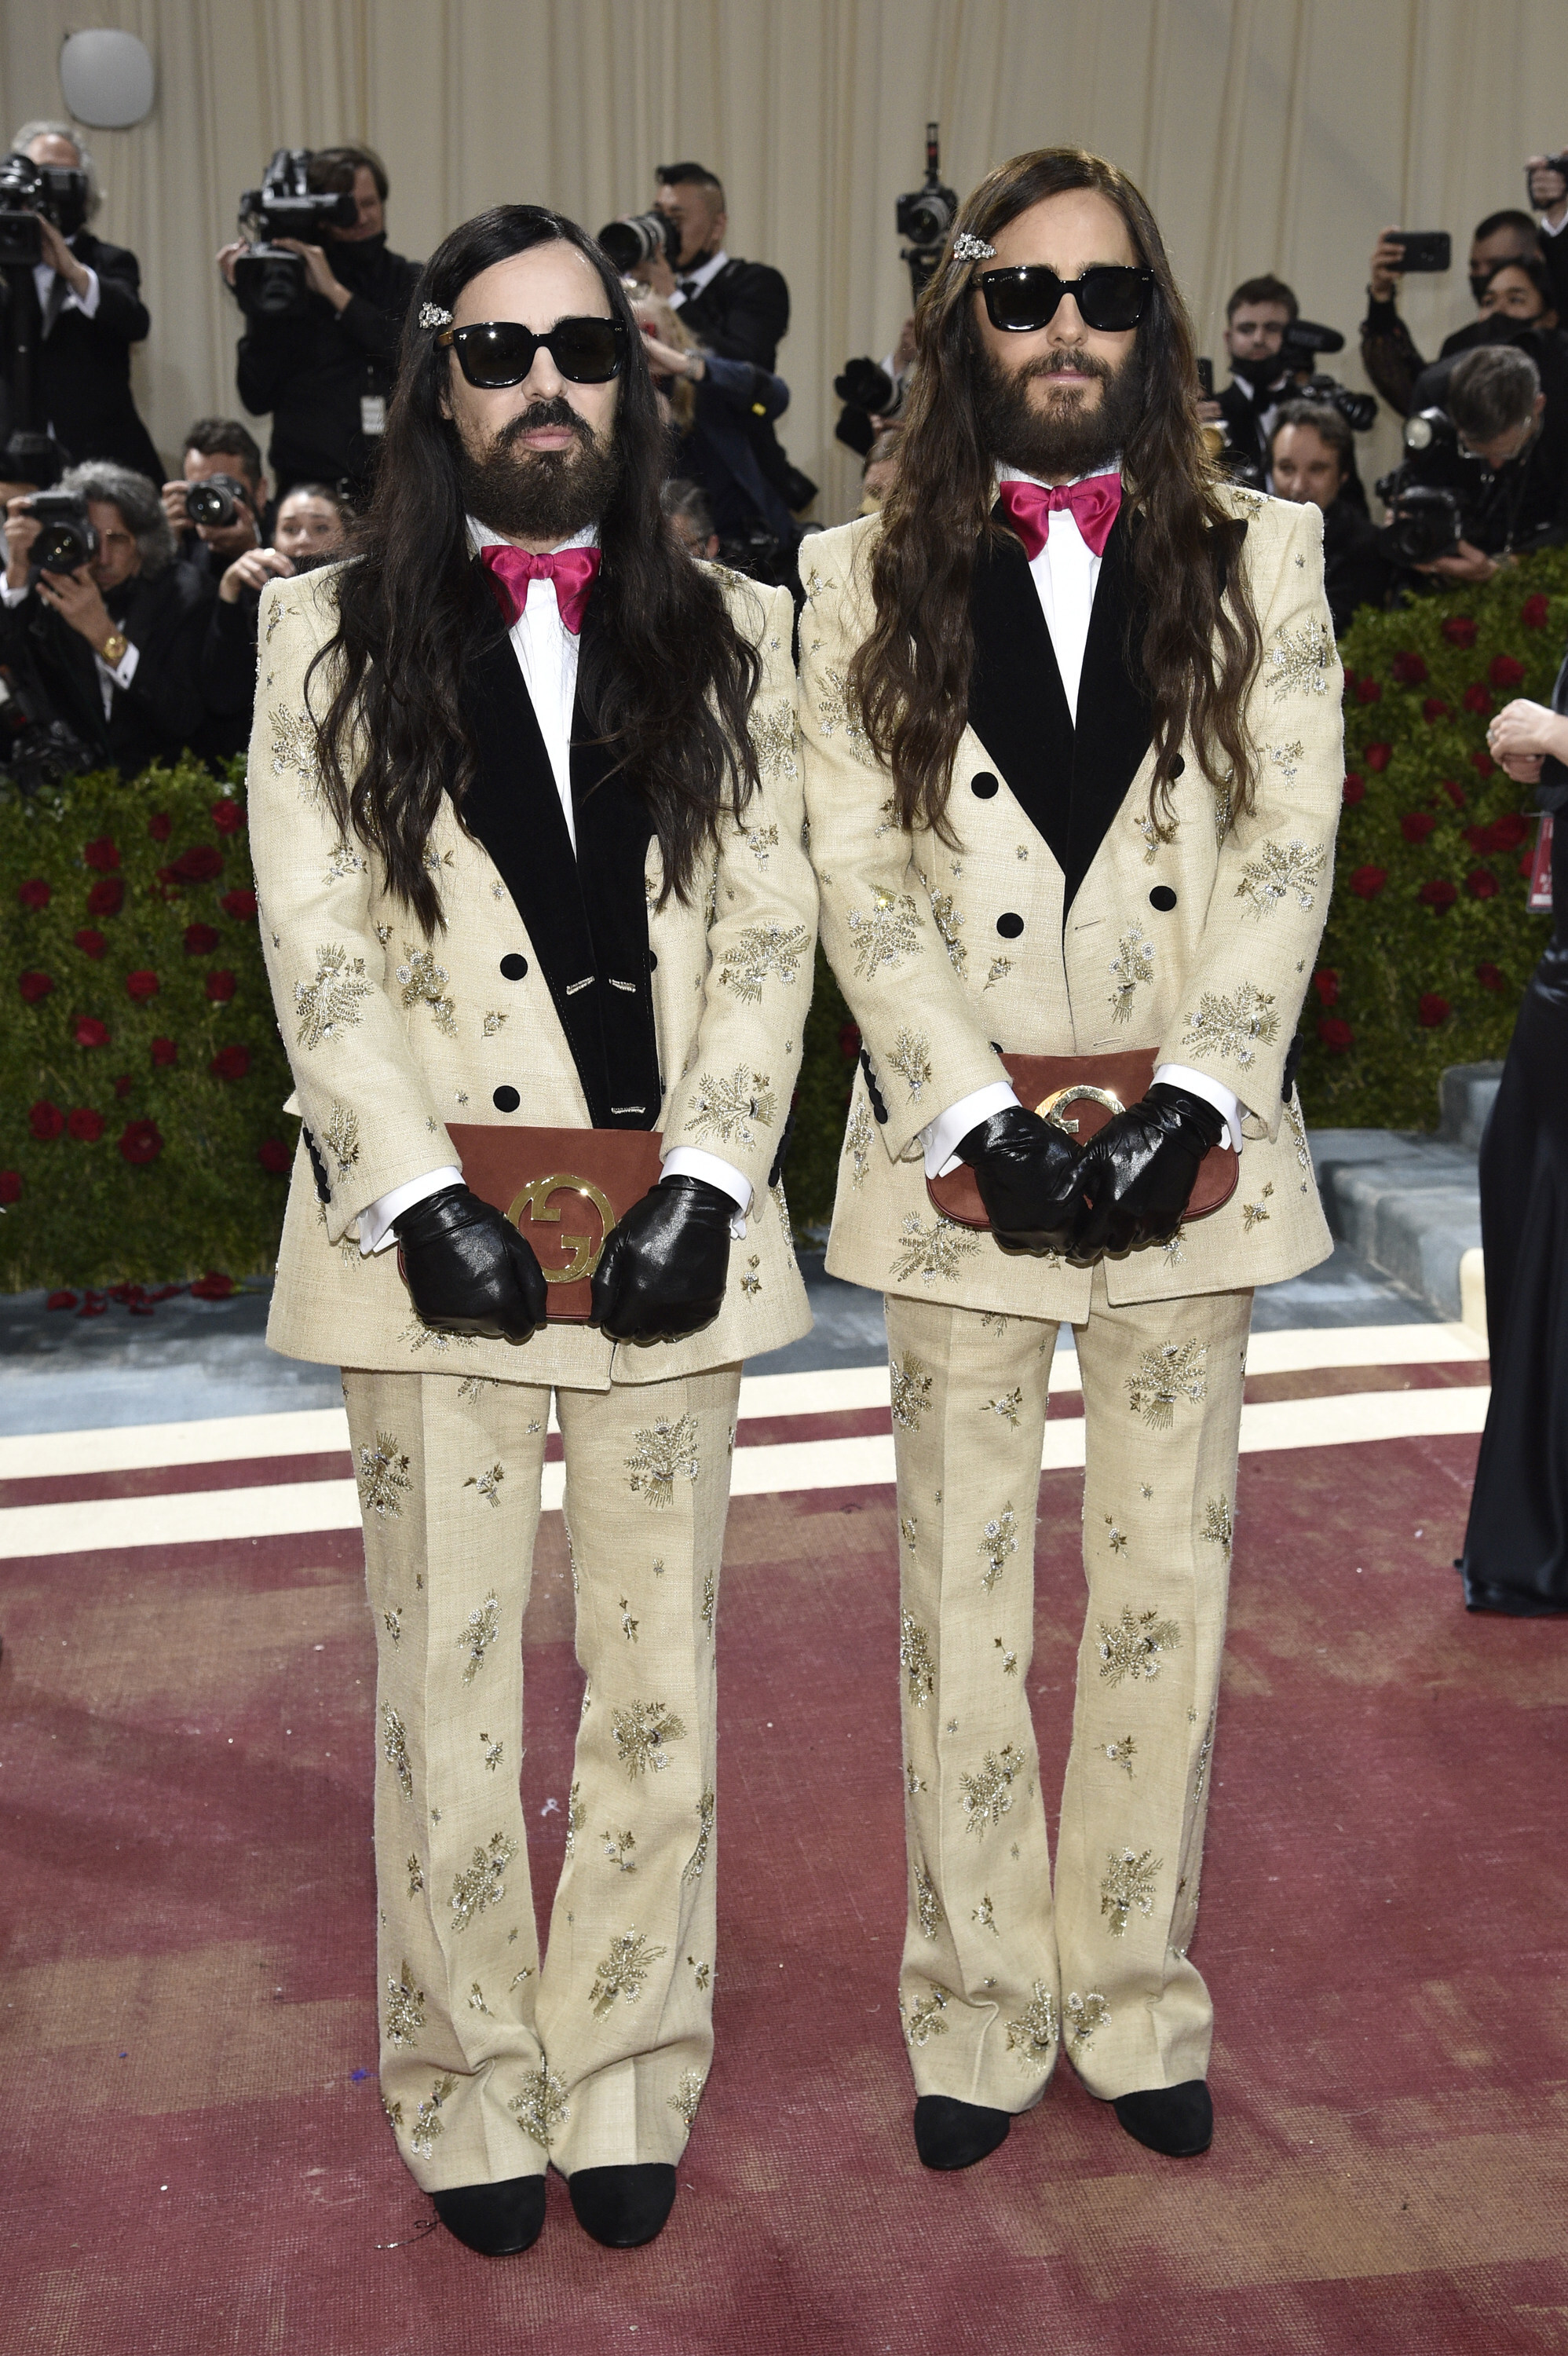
(1081, 1094)
(563, 1190)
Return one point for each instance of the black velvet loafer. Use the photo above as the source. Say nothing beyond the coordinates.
(950, 2133)
(498, 2220)
(623, 2207)
(1175, 2120)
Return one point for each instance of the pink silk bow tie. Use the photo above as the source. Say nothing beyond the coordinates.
(1093, 502)
(511, 569)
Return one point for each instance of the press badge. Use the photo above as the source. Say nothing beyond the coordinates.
(372, 413)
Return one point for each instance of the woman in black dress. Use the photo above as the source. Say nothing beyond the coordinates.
(1516, 1548)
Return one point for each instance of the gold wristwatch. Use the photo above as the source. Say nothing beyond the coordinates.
(114, 649)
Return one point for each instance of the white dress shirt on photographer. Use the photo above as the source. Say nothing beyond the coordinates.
(110, 675)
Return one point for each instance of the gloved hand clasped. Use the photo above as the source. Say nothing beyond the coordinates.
(468, 1269)
(1138, 1173)
(1027, 1171)
(663, 1271)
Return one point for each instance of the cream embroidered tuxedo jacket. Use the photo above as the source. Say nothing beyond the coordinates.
(392, 1035)
(1063, 923)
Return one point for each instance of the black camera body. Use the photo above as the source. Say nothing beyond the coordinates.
(270, 283)
(31, 193)
(637, 238)
(925, 217)
(1304, 343)
(68, 538)
(1425, 494)
(217, 502)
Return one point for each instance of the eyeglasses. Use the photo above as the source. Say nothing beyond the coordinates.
(1110, 298)
(502, 352)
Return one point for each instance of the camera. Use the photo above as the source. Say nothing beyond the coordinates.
(66, 539)
(925, 216)
(270, 283)
(36, 750)
(1305, 342)
(217, 502)
(637, 238)
(1425, 511)
(32, 192)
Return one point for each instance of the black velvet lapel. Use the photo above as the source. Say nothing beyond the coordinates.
(1114, 718)
(613, 829)
(1017, 707)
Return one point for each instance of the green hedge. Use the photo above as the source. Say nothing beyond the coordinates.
(1428, 943)
(141, 1072)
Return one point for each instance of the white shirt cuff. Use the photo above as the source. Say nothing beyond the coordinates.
(88, 303)
(12, 596)
(942, 1137)
(690, 1161)
(1214, 1092)
(376, 1222)
(123, 672)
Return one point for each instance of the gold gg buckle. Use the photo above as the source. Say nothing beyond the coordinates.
(1081, 1092)
(535, 1199)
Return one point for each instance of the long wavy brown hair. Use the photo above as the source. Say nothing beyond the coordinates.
(1200, 643)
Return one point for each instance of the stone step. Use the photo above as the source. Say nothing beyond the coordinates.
(1411, 1204)
(1466, 1093)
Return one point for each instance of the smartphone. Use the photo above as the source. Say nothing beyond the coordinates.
(1426, 249)
(1206, 378)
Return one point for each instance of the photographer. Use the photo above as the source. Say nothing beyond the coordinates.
(873, 394)
(1499, 459)
(1388, 351)
(325, 373)
(1519, 307)
(713, 403)
(219, 450)
(116, 639)
(1262, 376)
(311, 530)
(91, 313)
(1312, 461)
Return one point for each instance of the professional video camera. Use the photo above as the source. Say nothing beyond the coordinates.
(1425, 494)
(35, 749)
(637, 238)
(68, 538)
(1304, 342)
(32, 192)
(218, 501)
(925, 217)
(270, 283)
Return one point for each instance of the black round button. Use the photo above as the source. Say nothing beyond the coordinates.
(1009, 926)
(1163, 898)
(1178, 765)
(514, 967)
(506, 1099)
(982, 784)
(653, 962)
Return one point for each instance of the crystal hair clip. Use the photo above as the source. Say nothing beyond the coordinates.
(432, 316)
(967, 248)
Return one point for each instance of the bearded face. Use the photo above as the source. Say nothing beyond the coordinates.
(1058, 430)
(539, 495)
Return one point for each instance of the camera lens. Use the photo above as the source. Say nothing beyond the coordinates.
(638, 237)
(212, 503)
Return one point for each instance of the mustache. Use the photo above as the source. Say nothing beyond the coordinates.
(1059, 362)
(540, 415)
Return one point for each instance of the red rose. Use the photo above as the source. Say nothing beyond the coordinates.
(1484, 762)
(102, 854)
(160, 826)
(1368, 882)
(199, 864)
(1335, 1032)
(1455, 792)
(46, 1120)
(60, 1300)
(1368, 691)
(1489, 976)
(1438, 893)
(1459, 630)
(1476, 699)
(1505, 833)
(221, 986)
(139, 1141)
(90, 1032)
(122, 1084)
(1481, 884)
(230, 1063)
(93, 1307)
(1535, 611)
(274, 1156)
(86, 1126)
(1378, 756)
(1506, 671)
(165, 1052)
(1410, 670)
(240, 905)
(91, 944)
(34, 986)
(213, 1286)
(141, 984)
(1431, 1010)
(1433, 710)
(226, 816)
(35, 895)
(1355, 788)
(106, 899)
(1326, 984)
(10, 1185)
(200, 940)
(1416, 825)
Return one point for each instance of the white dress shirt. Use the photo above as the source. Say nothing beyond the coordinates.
(547, 655)
(1065, 573)
(692, 282)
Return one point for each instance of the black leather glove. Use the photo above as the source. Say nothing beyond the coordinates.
(468, 1269)
(1138, 1173)
(1027, 1171)
(663, 1272)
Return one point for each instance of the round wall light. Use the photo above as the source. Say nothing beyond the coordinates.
(106, 79)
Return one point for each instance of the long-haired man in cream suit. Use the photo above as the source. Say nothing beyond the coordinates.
(1072, 723)
(527, 819)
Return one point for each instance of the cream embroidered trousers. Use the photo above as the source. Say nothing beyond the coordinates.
(492, 2062)
(994, 1976)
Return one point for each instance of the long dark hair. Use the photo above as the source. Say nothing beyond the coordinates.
(911, 676)
(666, 678)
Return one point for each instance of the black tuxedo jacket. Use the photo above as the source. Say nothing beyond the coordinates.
(84, 365)
(313, 372)
(1244, 417)
(742, 314)
(586, 913)
(161, 713)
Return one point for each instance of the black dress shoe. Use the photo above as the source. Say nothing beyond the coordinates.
(950, 2133)
(1175, 2120)
(623, 2207)
(498, 2220)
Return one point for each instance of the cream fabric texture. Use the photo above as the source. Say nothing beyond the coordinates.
(494, 2061)
(390, 1035)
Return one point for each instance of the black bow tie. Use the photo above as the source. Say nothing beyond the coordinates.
(688, 289)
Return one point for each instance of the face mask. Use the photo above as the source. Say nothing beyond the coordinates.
(1259, 373)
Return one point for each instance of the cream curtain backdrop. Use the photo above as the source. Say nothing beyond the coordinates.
(1266, 134)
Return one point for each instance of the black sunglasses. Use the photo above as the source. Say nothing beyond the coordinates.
(1110, 296)
(502, 352)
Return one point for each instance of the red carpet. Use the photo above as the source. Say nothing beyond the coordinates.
(199, 2166)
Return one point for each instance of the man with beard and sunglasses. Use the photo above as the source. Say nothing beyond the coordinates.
(526, 817)
(1071, 711)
